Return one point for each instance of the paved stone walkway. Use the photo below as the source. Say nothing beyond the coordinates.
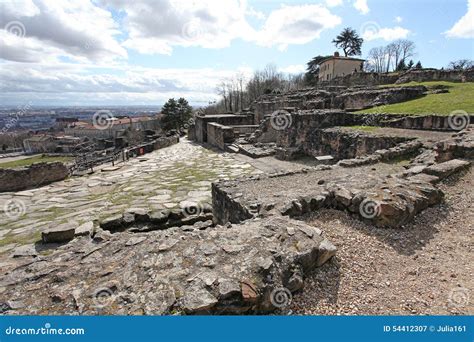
(164, 179)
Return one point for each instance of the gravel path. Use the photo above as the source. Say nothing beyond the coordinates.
(424, 268)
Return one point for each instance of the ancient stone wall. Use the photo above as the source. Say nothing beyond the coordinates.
(245, 129)
(385, 200)
(33, 176)
(218, 135)
(365, 79)
(347, 99)
(429, 122)
(373, 79)
(200, 123)
(300, 124)
(227, 208)
(437, 75)
(345, 145)
(165, 142)
(353, 100)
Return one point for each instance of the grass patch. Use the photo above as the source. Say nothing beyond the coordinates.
(460, 97)
(363, 128)
(34, 160)
(20, 239)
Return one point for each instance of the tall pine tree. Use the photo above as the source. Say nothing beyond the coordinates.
(175, 114)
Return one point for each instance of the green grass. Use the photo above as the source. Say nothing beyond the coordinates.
(33, 160)
(363, 128)
(460, 97)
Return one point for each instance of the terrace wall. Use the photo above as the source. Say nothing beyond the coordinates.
(33, 176)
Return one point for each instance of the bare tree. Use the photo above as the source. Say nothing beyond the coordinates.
(377, 58)
(407, 49)
(388, 58)
(222, 90)
(462, 64)
(240, 81)
(230, 91)
(390, 51)
(237, 92)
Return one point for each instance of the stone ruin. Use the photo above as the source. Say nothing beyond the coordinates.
(252, 246)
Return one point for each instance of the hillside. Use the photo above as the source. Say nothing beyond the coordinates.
(459, 97)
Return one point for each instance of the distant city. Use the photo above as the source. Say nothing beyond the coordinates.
(36, 118)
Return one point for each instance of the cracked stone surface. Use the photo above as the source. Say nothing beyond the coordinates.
(218, 270)
(163, 180)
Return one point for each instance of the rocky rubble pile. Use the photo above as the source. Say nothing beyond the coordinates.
(226, 269)
(460, 146)
(387, 201)
(401, 150)
(139, 219)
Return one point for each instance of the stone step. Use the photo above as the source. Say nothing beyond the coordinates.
(443, 170)
(232, 148)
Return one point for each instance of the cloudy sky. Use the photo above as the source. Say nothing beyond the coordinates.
(141, 52)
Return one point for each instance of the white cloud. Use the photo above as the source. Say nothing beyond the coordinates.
(361, 6)
(85, 30)
(295, 25)
(254, 13)
(66, 82)
(464, 28)
(398, 19)
(387, 34)
(154, 27)
(47, 29)
(333, 3)
(293, 69)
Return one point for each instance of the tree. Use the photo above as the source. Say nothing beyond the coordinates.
(462, 64)
(349, 41)
(312, 69)
(389, 53)
(410, 64)
(376, 59)
(391, 57)
(401, 66)
(222, 90)
(185, 112)
(407, 49)
(238, 93)
(418, 65)
(175, 114)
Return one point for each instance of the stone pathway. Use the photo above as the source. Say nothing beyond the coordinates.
(165, 179)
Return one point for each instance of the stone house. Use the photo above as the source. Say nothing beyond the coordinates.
(114, 129)
(336, 65)
(39, 144)
(51, 144)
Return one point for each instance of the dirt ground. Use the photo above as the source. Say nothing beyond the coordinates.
(425, 267)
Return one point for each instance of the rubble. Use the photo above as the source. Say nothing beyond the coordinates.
(219, 270)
